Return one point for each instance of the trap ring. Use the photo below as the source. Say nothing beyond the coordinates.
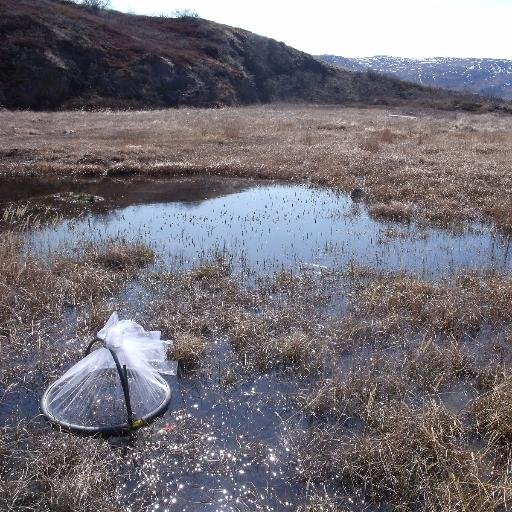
(122, 428)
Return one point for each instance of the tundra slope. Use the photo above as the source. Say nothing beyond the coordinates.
(56, 54)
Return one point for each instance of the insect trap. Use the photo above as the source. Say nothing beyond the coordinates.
(116, 388)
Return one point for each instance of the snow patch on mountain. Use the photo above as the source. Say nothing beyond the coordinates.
(487, 77)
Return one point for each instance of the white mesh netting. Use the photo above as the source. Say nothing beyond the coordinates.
(90, 394)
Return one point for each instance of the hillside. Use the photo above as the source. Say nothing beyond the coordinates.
(487, 77)
(55, 54)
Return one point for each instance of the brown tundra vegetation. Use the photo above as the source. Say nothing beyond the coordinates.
(397, 400)
(441, 167)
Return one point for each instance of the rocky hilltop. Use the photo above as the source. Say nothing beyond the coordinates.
(487, 77)
(56, 54)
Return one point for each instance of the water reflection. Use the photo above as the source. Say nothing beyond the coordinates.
(267, 226)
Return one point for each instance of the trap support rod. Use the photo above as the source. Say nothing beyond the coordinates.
(123, 375)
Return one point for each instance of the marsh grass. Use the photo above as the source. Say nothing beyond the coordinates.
(411, 459)
(188, 350)
(493, 414)
(367, 381)
(381, 430)
(210, 272)
(393, 210)
(460, 305)
(45, 470)
(120, 255)
(35, 293)
(41, 469)
(408, 449)
(450, 167)
(373, 142)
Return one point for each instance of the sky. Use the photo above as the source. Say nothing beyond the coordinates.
(361, 28)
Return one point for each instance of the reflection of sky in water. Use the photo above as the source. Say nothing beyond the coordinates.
(270, 226)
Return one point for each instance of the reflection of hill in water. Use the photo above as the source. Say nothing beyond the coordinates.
(120, 193)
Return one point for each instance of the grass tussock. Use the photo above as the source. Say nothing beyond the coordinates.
(121, 255)
(394, 211)
(41, 470)
(26, 285)
(373, 142)
(354, 396)
(412, 460)
(267, 342)
(418, 461)
(99, 271)
(188, 350)
(463, 304)
(296, 350)
(435, 365)
(494, 415)
(211, 271)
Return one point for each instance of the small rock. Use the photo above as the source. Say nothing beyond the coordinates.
(356, 194)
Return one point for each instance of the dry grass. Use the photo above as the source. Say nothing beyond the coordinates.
(211, 271)
(373, 142)
(42, 470)
(494, 414)
(393, 210)
(371, 378)
(411, 459)
(35, 294)
(188, 350)
(456, 306)
(355, 394)
(120, 255)
(434, 365)
(26, 286)
(448, 166)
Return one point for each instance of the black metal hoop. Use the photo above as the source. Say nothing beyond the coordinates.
(132, 422)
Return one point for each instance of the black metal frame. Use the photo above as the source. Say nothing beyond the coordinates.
(132, 422)
(123, 376)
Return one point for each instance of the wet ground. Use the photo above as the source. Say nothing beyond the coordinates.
(262, 226)
(222, 445)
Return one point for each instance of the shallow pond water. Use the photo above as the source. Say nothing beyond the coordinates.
(223, 443)
(264, 226)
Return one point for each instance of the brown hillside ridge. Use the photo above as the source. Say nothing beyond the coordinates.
(56, 54)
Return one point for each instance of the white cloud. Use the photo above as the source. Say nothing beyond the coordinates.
(409, 28)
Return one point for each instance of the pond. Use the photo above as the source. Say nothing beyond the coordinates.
(261, 226)
(224, 443)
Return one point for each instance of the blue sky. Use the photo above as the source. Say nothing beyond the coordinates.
(406, 28)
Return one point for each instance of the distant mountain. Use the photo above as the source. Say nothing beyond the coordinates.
(487, 77)
(56, 54)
